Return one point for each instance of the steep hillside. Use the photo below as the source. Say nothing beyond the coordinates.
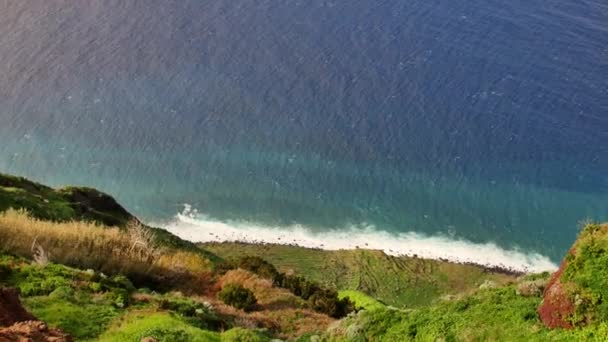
(85, 266)
(577, 294)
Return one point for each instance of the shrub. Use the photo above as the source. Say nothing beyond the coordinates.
(300, 286)
(320, 299)
(39, 281)
(195, 313)
(238, 297)
(254, 264)
(327, 302)
(5, 271)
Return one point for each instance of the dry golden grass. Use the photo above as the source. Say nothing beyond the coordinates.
(268, 296)
(86, 245)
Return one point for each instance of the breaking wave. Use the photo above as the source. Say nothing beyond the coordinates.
(196, 227)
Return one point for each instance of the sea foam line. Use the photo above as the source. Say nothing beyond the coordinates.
(190, 225)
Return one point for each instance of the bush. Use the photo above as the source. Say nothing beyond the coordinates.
(40, 281)
(238, 296)
(320, 299)
(256, 265)
(300, 286)
(327, 302)
(5, 272)
(195, 313)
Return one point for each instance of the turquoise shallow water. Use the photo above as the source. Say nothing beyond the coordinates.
(477, 121)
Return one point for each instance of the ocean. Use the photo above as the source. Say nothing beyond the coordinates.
(470, 130)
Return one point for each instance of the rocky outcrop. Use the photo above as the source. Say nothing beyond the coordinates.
(16, 324)
(557, 306)
(577, 294)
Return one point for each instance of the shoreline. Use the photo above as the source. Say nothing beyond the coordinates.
(195, 228)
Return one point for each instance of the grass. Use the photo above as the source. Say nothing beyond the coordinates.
(64, 297)
(83, 319)
(86, 304)
(163, 326)
(90, 246)
(399, 281)
(489, 315)
(71, 203)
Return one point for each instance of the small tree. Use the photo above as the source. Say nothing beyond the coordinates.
(238, 296)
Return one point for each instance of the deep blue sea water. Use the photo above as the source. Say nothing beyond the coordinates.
(479, 121)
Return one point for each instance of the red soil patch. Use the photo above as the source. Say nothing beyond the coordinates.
(557, 306)
(16, 324)
(11, 310)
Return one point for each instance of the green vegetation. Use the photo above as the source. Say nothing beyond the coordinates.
(132, 252)
(489, 315)
(83, 317)
(243, 335)
(66, 297)
(361, 300)
(398, 281)
(584, 277)
(238, 296)
(195, 313)
(129, 282)
(164, 327)
(71, 203)
(320, 299)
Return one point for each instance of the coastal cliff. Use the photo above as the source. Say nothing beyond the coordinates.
(83, 264)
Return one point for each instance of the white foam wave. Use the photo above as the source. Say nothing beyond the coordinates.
(192, 226)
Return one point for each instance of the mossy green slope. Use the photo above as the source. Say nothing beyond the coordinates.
(163, 327)
(70, 203)
(93, 307)
(399, 281)
(499, 314)
(80, 303)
